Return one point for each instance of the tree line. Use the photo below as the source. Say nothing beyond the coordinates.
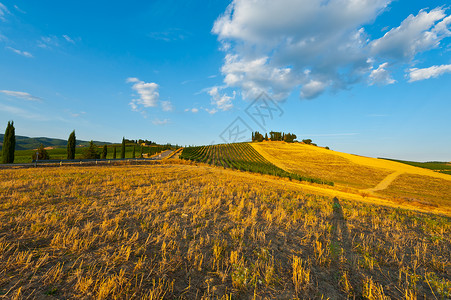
(274, 136)
(280, 136)
(91, 152)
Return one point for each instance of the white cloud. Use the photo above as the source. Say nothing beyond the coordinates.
(193, 110)
(68, 39)
(273, 43)
(21, 95)
(222, 102)
(20, 52)
(19, 10)
(47, 42)
(316, 45)
(254, 75)
(160, 122)
(167, 106)
(381, 76)
(211, 111)
(416, 74)
(53, 41)
(415, 34)
(132, 79)
(312, 89)
(147, 91)
(3, 11)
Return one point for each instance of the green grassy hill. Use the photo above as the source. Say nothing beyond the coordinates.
(24, 156)
(29, 143)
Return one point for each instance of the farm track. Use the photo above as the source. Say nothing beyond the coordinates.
(385, 183)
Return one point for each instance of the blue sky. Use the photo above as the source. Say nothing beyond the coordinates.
(364, 77)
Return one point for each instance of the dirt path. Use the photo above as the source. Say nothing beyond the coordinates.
(385, 183)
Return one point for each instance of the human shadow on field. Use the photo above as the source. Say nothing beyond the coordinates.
(340, 228)
(340, 240)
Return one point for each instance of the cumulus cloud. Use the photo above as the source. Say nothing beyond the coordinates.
(221, 101)
(415, 34)
(147, 92)
(381, 75)
(20, 52)
(312, 89)
(21, 95)
(315, 45)
(416, 74)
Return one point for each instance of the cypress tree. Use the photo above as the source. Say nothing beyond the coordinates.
(134, 153)
(104, 152)
(114, 152)
(123, 148)
(40, 154)
(9, 144)
(91, 151)
(141, 151)
(71, 146)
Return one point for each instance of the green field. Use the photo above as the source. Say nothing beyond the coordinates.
(240, 156)
(24, 156)
(26, 143)
(442, 167)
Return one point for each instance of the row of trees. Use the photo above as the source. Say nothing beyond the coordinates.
(274, 136)
(92, 152)
(279, 136)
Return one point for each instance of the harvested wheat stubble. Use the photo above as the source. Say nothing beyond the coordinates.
(192, 231)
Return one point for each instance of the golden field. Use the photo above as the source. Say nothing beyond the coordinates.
(191, 231)
(362, 174)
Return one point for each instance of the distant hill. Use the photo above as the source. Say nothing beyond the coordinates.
(29, 143)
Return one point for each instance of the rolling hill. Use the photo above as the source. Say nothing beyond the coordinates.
(357, 174)
(29, 143)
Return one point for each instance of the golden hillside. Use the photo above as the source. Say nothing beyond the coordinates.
(378, 177)
(178, 230)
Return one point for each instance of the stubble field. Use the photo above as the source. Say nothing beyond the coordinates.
(357, 174)
(181, 230)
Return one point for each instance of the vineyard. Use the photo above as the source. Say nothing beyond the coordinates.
(240, 156)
